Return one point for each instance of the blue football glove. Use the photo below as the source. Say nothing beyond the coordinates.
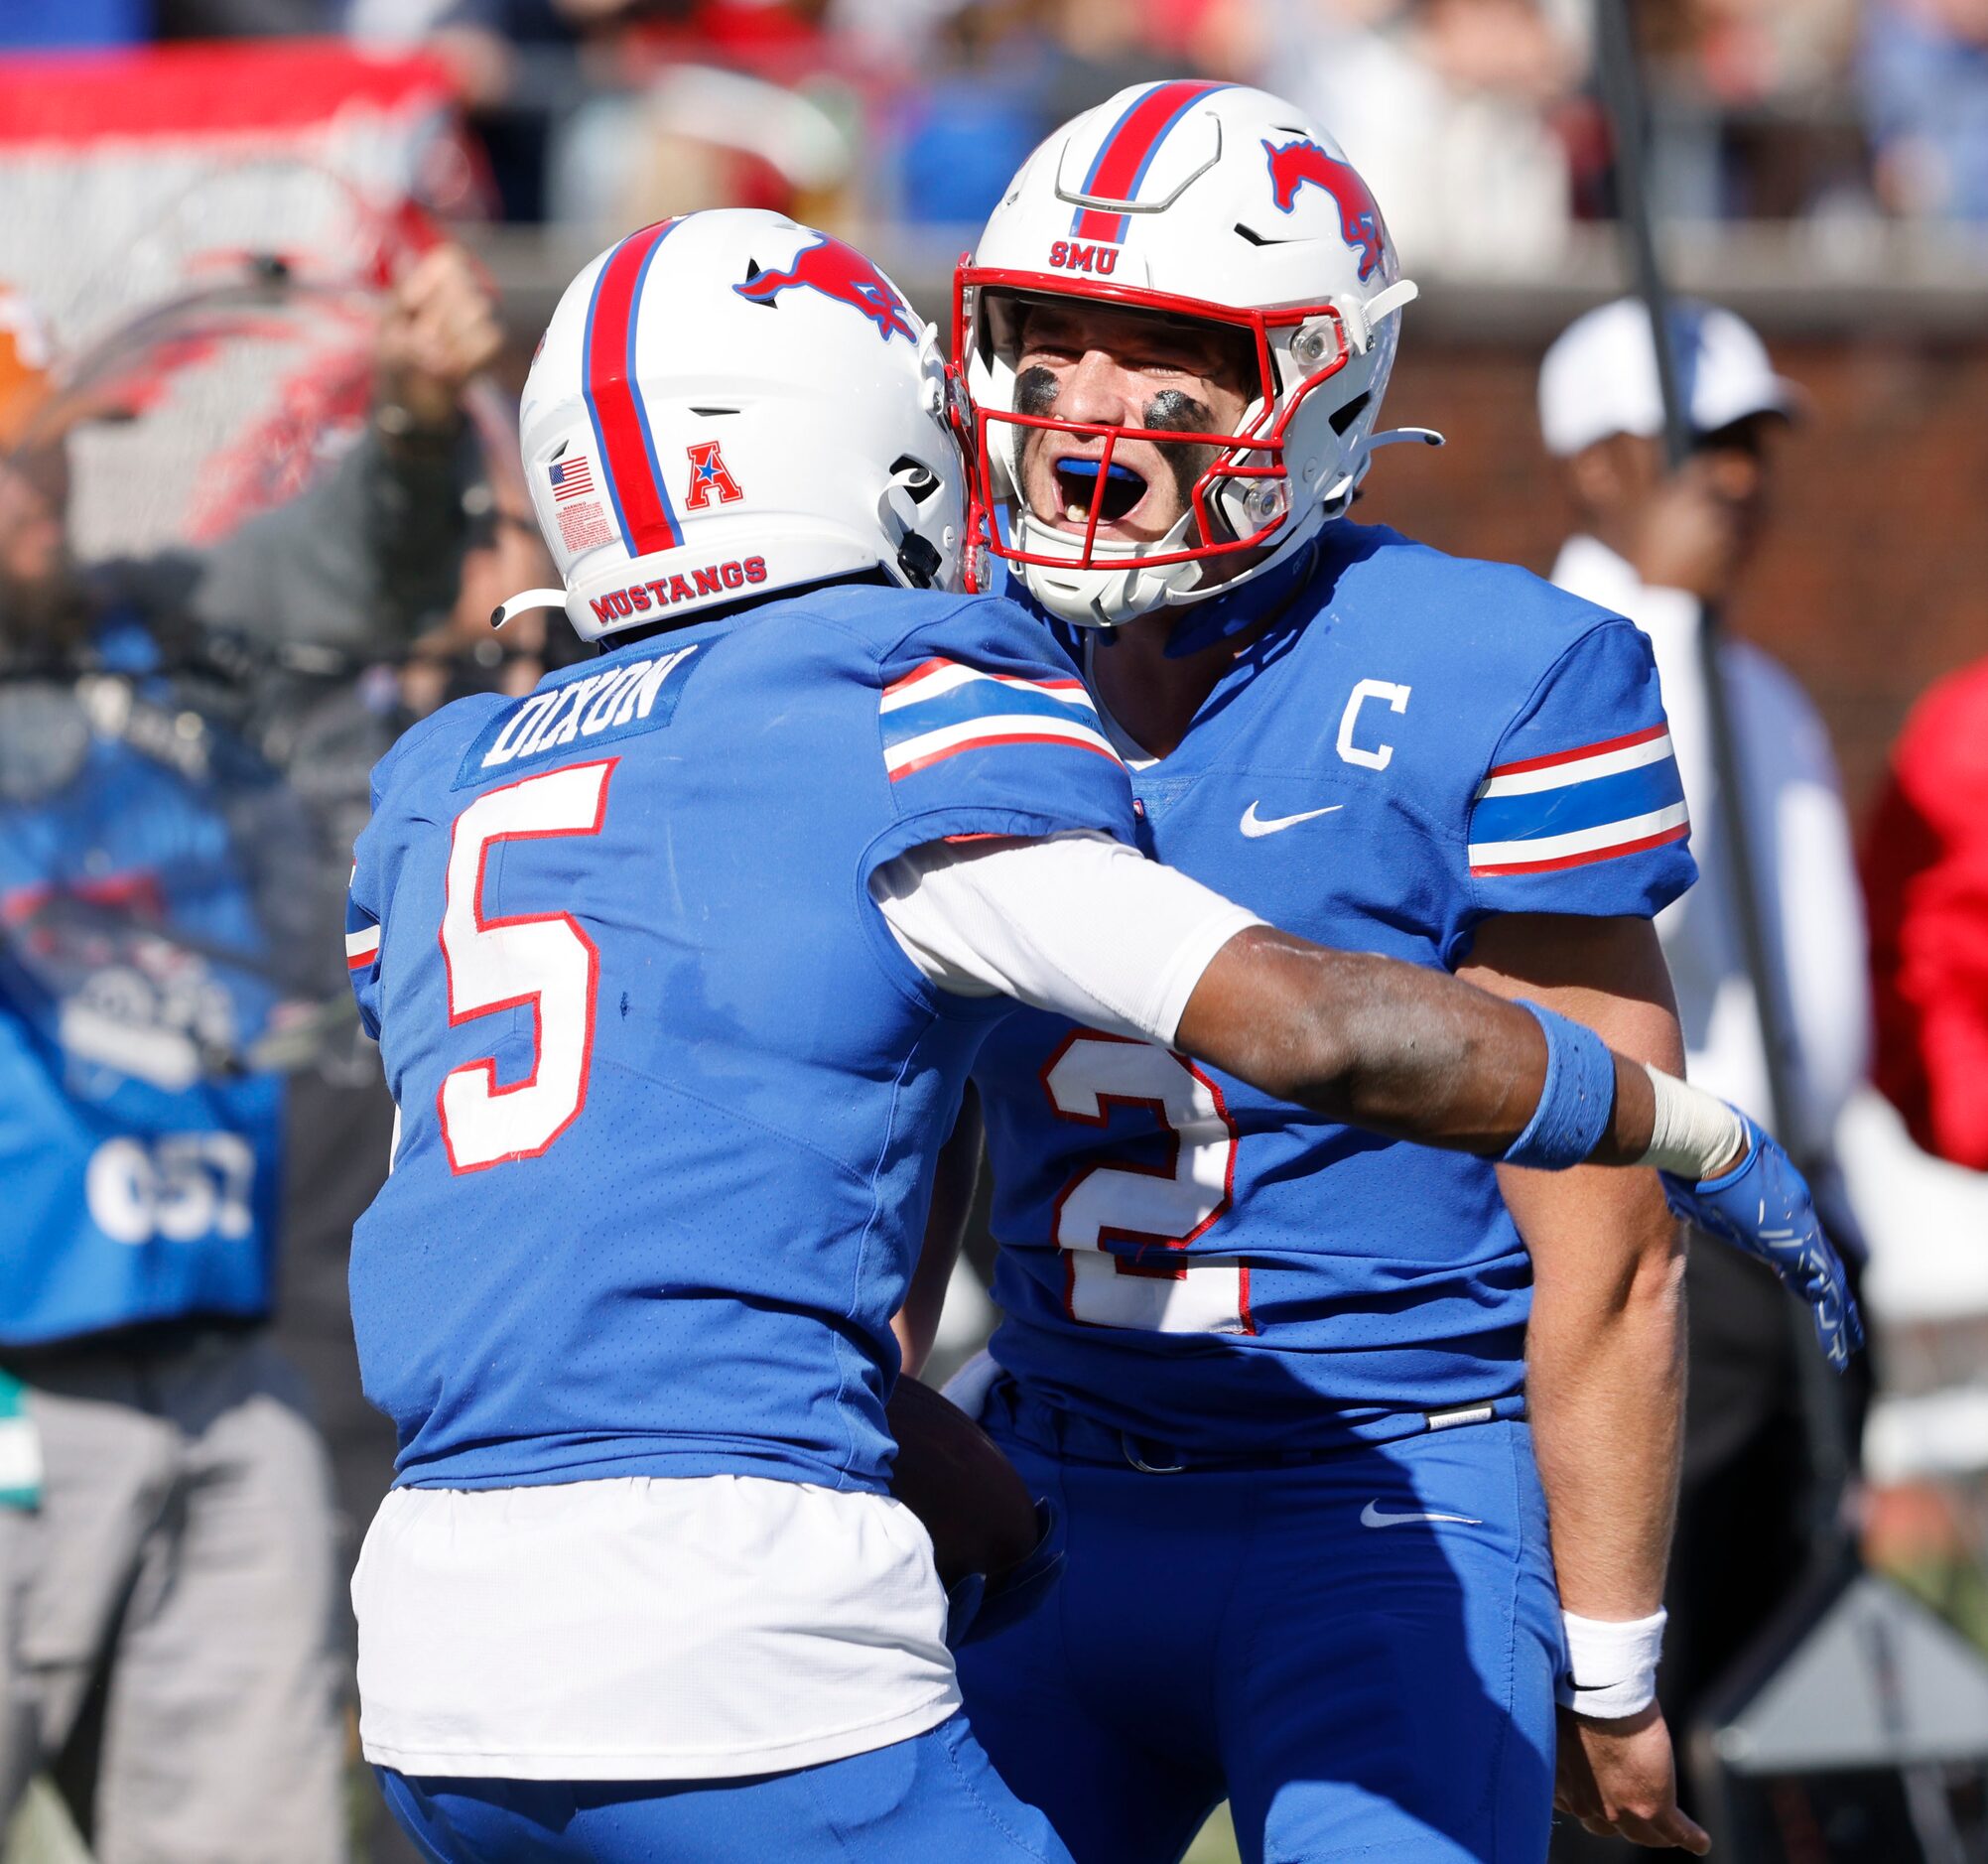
(1764, 1207)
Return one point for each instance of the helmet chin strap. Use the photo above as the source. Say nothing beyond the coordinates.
(1102, 588)
(1105, 595)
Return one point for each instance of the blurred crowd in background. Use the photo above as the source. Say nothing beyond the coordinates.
(310, 565)
(916, 111)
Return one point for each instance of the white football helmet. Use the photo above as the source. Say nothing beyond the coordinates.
(1200, 201)
(726, 404)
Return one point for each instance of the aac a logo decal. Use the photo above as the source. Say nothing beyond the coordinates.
(709, 476)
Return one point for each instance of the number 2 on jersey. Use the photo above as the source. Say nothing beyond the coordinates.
(543, 960)
(1159, 1208)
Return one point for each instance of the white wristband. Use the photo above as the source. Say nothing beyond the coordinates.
(1692, 1134)
(1611, 1667)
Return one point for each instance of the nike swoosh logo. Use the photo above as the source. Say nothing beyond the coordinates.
(1254, 825)
(1372, 1516)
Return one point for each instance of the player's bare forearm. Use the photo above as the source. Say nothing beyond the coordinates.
(1605, 1354)
(1396, 1048)
(916, 1322)
(1605, 1377)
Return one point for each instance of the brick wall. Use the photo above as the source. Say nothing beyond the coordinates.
(1873, 579)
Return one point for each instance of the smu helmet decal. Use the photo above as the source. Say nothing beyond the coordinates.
(844, 274)
(1294, 162)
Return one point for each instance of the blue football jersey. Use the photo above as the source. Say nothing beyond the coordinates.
(142, 1182)
(670, 1094)
(1417, 743)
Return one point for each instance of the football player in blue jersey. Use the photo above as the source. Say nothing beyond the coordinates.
(679, 965)
(1275, 1372)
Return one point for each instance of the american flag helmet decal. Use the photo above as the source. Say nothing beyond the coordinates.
(570, 475)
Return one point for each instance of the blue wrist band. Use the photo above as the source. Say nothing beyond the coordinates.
(1575, 1105)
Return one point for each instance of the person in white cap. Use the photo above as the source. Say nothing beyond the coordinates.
(1658, 547)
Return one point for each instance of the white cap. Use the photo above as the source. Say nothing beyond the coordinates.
(1600, 376)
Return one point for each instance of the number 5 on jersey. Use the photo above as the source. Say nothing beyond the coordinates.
(543, 960)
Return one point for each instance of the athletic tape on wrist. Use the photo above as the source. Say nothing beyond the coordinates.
(1575, 1105)
(1611, 1666)
(1692, 1135)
